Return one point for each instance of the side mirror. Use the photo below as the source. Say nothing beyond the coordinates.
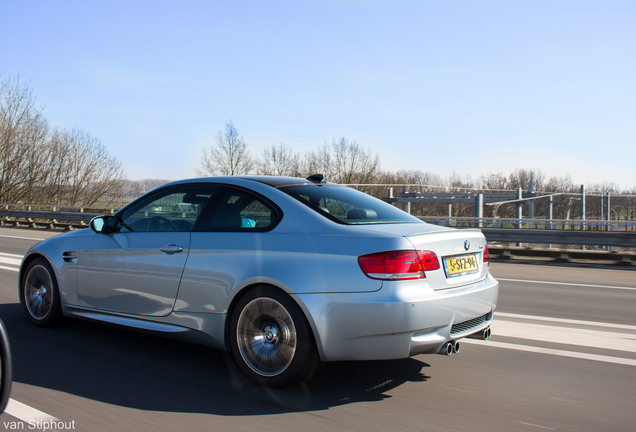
(5, 368)
(99, 224)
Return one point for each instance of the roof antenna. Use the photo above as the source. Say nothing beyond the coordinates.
(316, 178)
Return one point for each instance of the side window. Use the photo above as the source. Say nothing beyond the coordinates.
(174, 209)
(239, 210)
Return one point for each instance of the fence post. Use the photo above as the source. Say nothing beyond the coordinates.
(550, 216)
(602, 215)
(582, 207)
(609, 213)
(519, 208)
(406, 205)
(519, 211)
(609, 219)
(550, 212)
(479, 209)
(530, 204)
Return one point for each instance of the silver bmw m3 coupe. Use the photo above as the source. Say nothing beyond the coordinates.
(283, 272)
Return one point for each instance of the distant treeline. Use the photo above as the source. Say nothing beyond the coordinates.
(345, 161)
(566, 200)
(41, 165)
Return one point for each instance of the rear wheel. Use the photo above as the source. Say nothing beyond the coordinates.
(39, 294)
(270, 338)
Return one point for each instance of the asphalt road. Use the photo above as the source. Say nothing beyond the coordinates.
(563, 358)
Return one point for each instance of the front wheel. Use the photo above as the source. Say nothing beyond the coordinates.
(5, 368)
(39, 294)
(270, 339)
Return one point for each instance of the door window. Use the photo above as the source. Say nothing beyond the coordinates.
(173, 209)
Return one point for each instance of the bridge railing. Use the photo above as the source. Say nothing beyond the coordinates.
(541, 232)
(537, 223)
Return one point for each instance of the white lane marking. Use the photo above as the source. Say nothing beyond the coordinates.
(561, 353)
(22, 238)
(11, 260)
(566, 321)
(8, 255)
(26, 413)
(567, 284)
(536, 425)
(542, 330)
(9, 268)
(566, 335)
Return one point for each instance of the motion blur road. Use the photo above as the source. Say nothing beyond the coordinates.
(562, 357)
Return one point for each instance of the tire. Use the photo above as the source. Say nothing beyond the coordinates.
(5, 368)
(270, 339)
(40, 295)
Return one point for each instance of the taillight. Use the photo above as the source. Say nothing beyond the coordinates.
(486, 256)
(398, 265)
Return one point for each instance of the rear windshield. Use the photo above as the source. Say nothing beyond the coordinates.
(347, 206)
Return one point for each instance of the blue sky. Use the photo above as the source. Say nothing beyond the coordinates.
(469, 87)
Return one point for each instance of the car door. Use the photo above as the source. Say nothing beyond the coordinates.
(229, 246)
(137, 268)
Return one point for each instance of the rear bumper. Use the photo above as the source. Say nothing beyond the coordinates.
(402, 319)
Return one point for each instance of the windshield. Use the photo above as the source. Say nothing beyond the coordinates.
(347, 206)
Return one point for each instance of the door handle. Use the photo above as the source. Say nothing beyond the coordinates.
(171, 249)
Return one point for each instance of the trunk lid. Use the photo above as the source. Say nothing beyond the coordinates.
(460, 254)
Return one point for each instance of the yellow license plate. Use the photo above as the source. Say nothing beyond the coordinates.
(460, 265)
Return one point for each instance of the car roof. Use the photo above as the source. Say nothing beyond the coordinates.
(274, 181)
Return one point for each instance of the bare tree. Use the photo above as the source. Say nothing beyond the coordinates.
(493, 181)
(58, 154)
(456, 183)
(37, 166)
(425, 181)
(279, 160)
(22, 130)
(92, 172)
(229, 156)
(559, 184)
(521, 178)
(345, 162)
(134, 188)
(319, 162)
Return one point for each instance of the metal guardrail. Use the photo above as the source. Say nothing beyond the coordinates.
(50, 219)
(626, 239)
(546, 224)
(49, 216)
(614, 235)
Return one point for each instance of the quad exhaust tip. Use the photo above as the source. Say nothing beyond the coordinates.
(455, 347)
(482, 335)
(449, 348)
(452, 347)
